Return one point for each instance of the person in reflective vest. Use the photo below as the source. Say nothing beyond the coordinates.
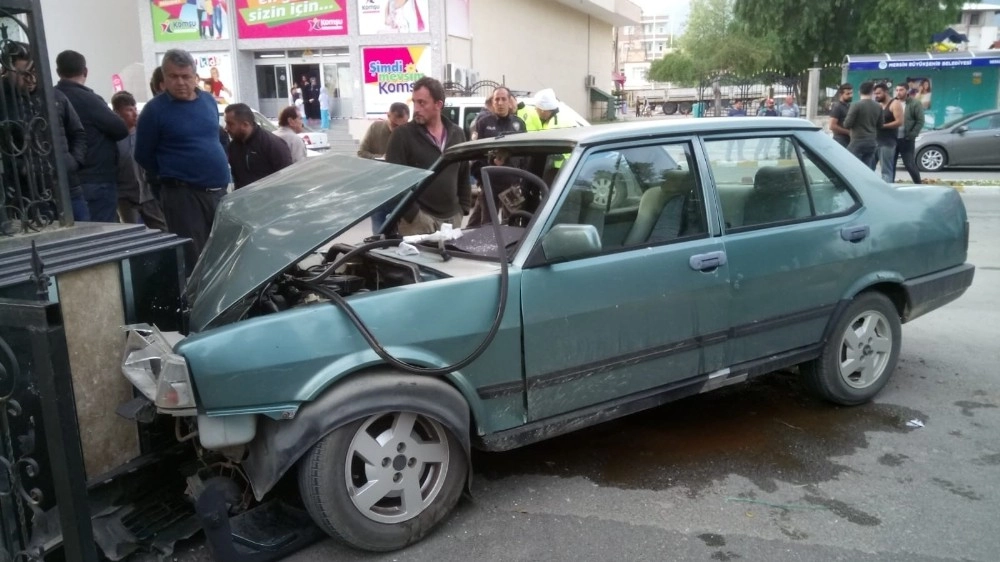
(545, 116)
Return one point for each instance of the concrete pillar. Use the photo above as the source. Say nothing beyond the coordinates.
(812, 94)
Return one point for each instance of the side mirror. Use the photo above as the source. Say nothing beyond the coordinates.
(961, 130)
(571, 241)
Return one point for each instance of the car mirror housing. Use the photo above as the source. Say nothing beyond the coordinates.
(961, 130)
(571, 241)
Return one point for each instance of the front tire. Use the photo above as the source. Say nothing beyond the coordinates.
(383, 482)
(861, 354)
(931, 159)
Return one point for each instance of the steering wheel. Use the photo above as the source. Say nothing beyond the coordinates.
(543, 189)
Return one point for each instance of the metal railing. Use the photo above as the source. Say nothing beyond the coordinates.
(33, 184)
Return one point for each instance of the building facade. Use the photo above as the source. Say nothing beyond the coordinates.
(366, 53)
(640, 45)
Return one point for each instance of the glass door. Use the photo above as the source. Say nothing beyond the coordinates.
(273, 89)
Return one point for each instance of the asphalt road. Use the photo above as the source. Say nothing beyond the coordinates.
(762, 471)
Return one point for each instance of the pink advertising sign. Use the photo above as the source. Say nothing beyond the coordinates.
(260, 19)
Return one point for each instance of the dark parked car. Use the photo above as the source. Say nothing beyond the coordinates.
(649, 268)
(972, 140)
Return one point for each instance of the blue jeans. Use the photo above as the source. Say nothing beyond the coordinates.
(81, 213)
(324, 119)
(887, 161)
(102, 200)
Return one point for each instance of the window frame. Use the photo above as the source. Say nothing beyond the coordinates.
(801, 148)
(536, 257)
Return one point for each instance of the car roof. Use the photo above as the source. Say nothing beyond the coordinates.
(610, 132)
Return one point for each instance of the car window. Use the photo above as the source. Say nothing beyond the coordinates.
(984, 123)
(636, 196)
(772, 180)
(451, 113)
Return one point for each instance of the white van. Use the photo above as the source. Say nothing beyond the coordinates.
(463, 110)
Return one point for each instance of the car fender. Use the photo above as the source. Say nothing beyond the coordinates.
(281, 443)
(366, 360)
(875, 279)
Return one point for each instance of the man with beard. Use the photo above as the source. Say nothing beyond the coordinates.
(838, 112)
(420, 144)
(253, 153)
(892, 114)
(913, 123)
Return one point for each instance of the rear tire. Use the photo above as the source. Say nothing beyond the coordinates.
(383, 482)
(861, 354)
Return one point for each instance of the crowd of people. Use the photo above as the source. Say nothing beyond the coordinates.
(881, 126)
(166, 167)
(169, 165)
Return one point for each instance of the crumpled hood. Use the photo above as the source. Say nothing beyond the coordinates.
(265, 227)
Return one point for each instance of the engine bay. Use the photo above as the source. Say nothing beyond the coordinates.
(364, 272)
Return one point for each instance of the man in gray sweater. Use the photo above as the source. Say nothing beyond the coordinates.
(864, 119)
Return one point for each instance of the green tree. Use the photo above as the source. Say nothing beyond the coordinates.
(828, 30)
(714, 42)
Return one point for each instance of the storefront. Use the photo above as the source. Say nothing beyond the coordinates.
(268, 52)
(276, 72)
(368, 53)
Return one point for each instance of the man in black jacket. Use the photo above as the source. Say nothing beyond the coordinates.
(99, 174)
(253, 153)
(419, 144)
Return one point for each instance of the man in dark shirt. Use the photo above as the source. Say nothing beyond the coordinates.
(177, 141)
(863, 120)
(420, 143)
(500, 121)
(99, 174)
(913, 123)
(253, 153)
(892, 113)
(838, 112)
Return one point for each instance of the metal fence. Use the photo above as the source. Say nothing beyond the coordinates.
(33, 183)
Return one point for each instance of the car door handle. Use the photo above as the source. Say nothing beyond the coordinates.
(707, 262)
(854, 233)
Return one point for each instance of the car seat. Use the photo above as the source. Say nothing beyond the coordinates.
(661, 209)
(779, 194)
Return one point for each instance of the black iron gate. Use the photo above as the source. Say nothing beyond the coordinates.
(41, 459)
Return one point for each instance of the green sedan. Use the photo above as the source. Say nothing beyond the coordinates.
(619, 267)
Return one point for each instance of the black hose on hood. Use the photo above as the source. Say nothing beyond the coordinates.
(370, 338)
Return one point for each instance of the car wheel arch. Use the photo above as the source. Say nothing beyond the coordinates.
(888, 283)
(280, 444)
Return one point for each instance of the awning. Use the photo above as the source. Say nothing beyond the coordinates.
(597, 94)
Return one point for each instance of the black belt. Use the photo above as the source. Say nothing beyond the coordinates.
(173, 182)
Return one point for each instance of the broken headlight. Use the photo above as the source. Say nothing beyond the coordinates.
(160, 374)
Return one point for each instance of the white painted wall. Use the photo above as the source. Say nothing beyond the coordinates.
(107, 35)
(535, 45)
